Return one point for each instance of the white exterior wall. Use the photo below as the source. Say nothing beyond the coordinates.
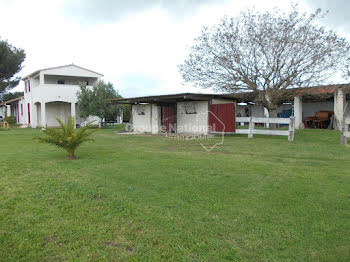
(57, 109)
(2, 111)
(298, 112)
(156, 119)
(18, 112)
(141, 123)
(46, 94)
(48, 98)
(8, 110)
(150, 122)
(22, 119)
(339, 108)
(196, 124)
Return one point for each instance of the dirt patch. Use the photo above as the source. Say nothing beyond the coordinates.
(113, 243)
(50, 239)
(128, 248)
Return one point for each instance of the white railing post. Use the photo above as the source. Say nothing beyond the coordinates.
(290, 133)
(291, 129)
(344, 129)
(251, 127)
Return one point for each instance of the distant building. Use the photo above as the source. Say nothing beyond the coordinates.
(200, 114)
(50, 93)
(185, 113)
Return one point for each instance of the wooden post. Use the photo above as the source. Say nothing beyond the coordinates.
(344, 129)
(291, 129)
(251, 127)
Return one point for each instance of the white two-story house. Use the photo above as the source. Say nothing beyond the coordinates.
(49, 94)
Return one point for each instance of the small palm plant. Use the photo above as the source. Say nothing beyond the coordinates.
(67, 137)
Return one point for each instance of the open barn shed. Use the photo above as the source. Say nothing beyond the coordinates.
(313, 107)
(185, 113)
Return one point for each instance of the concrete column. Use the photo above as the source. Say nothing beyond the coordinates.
(72, 111)
(298, 112)
(43, 114)
(339, 106)
(266, 114)
(8, 110)
(34, 116)
(155, 120)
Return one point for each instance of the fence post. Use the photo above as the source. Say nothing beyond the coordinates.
(291, 129)
(251, 127)
(344, 128)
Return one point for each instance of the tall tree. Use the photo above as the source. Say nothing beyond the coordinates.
(346, 69)
(11, 59)
(8, 96)
(96, 101)
(265, 53)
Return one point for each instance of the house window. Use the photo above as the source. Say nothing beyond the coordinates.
(25, 86)
(60, 82)
(189, 108)
(28, 85)
(21, 109)
(140, 109)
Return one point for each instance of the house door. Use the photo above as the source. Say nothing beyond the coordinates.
(169, 118)
(222, 118)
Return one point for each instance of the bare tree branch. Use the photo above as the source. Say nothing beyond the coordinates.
(266, 52)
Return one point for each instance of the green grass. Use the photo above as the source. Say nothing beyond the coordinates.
(147, 198)
(119, 127)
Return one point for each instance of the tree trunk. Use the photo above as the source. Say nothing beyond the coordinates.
(71, 155)
(273, 114)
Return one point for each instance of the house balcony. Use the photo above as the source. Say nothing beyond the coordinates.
(55, 92)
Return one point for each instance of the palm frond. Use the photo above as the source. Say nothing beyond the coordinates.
(67, 136)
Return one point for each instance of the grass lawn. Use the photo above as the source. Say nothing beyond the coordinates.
(146, 198)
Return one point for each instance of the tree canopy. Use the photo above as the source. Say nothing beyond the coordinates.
(266, 53)
(8, 96)
(11, 59)
(96, 101)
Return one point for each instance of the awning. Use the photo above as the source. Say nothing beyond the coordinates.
(168, 99)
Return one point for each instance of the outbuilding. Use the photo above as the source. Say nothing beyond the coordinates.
(185, 113)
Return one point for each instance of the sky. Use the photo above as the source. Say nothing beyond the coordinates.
(136, 44)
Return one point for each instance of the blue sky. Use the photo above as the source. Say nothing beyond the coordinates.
(136, 44)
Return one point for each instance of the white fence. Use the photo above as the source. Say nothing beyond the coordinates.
(254, 120)
(345, 133)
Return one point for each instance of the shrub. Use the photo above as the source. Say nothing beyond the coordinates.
(67, 136)
(11, 120)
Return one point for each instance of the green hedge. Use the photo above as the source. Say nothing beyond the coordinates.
(11, 120)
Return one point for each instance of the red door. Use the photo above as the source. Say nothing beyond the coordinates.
(222, 118)
(28, 113)
(169, 118)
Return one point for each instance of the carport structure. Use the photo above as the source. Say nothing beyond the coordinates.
(185, 113)
(303, 103)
